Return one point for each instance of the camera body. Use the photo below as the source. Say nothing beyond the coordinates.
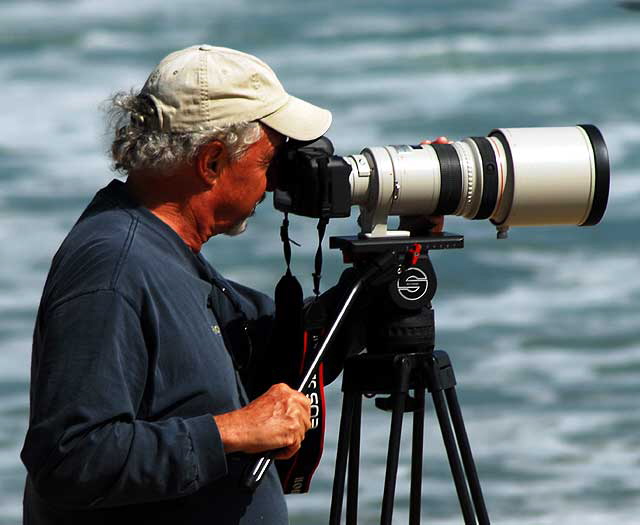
(513, 177)
(311, 181)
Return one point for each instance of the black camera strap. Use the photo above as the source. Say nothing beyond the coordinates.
(317, 274)
(286, 241)
(295, 344)
(288, 329)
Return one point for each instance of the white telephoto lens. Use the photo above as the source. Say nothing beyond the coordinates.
(514, 177)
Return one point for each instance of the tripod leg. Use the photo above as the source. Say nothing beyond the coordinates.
(354, 464)
(454, 458)
(415, 497)
(348, 405)
(467, 457)
(393, 454)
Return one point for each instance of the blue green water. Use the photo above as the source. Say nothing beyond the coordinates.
(544, 329)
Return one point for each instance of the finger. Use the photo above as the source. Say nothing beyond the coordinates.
(303, 403)
(304, 400)
(307, 415)
(438, 223)
(439, 140)
(303, 424)
(287, 452)
(283, 388)
(306, 421)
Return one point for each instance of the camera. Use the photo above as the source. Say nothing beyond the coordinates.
(513, 177)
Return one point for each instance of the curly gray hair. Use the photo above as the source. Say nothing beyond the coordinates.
(138, 147)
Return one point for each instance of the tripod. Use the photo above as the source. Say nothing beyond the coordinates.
(401, 358)
(399, 279)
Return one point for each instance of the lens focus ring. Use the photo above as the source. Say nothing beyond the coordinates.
(450, 179)
(489, 178)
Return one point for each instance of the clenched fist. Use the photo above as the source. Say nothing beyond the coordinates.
(277, 420)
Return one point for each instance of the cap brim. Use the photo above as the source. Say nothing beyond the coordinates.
(299, 120)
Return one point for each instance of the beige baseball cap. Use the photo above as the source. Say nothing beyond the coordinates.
(203, 86)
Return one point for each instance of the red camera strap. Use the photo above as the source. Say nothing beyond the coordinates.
(297, 338)
(296, 472)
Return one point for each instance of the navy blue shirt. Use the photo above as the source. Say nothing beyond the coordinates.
(137, 344)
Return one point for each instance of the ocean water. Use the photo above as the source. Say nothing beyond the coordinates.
(543, 329)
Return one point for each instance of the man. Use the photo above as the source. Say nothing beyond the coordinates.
(139, 411)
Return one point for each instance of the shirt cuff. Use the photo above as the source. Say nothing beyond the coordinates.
(209, 457)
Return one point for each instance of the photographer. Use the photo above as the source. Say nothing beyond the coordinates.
(139, 413)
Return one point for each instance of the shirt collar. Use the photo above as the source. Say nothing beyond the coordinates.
(117, 193)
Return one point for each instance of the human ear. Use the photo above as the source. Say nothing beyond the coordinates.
(209, 161)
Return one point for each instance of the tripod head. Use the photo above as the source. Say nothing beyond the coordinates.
(399, 293)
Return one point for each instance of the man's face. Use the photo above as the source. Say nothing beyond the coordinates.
(243, 183)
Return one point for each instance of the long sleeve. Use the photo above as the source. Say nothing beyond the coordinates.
(85, 446)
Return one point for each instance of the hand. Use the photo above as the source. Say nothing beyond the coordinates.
(439, 140)
(277, 420)
(438, 223)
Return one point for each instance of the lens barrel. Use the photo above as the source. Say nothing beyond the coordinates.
(554, 176)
